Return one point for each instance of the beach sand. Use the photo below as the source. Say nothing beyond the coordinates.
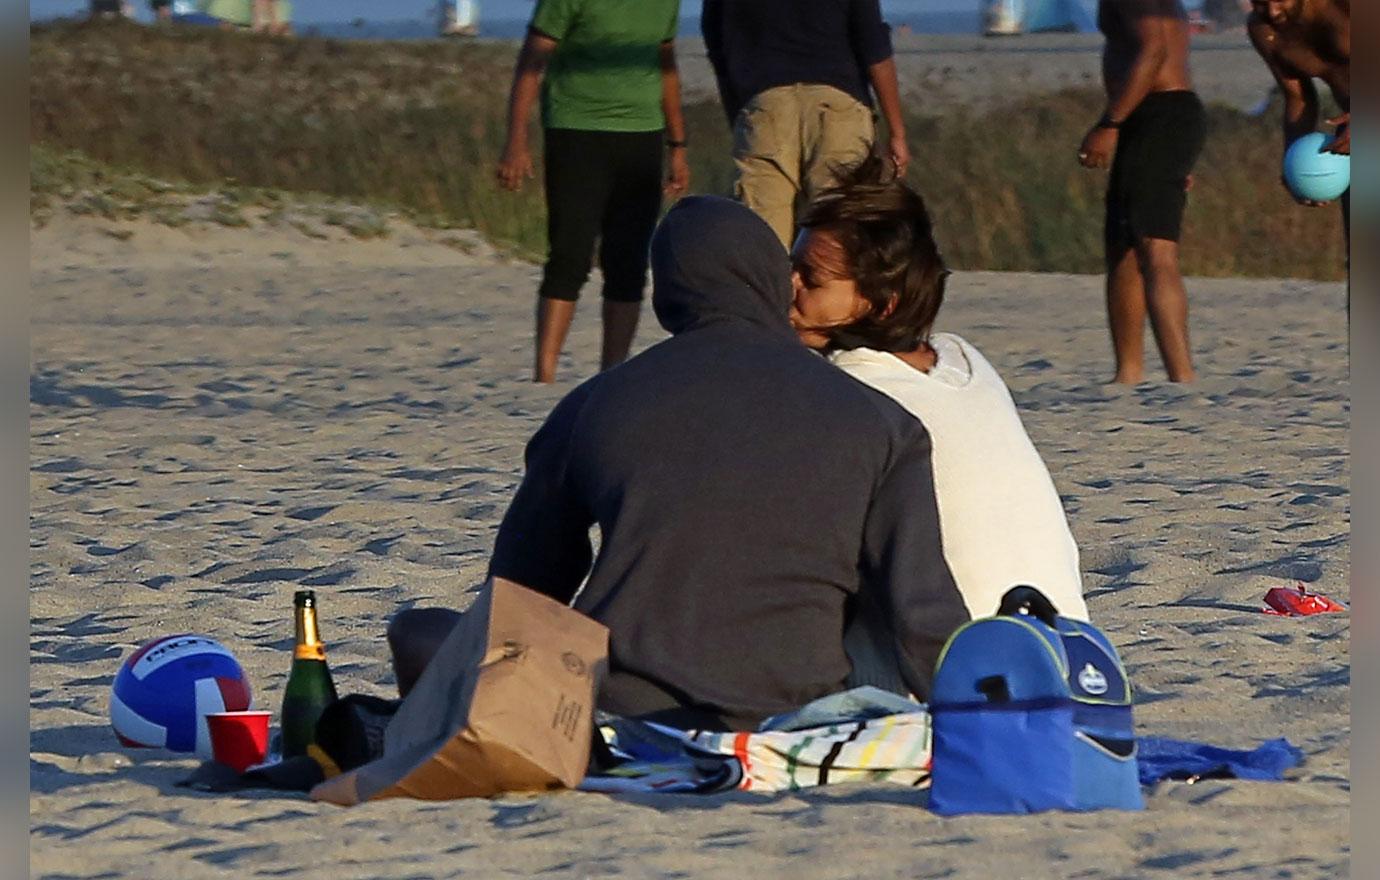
(220, 416)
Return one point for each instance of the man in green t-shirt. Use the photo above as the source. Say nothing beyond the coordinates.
(610, 104)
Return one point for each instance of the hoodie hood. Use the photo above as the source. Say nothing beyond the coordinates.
(713, 259)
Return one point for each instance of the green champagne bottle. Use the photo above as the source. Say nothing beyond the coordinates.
(309, 687)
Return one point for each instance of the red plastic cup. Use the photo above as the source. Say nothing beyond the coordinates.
(239, 740)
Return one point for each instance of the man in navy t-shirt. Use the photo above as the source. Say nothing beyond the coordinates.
(797, 78)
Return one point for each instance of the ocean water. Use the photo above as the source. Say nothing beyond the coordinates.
(507, 19)
(920, 21)
(932, 23)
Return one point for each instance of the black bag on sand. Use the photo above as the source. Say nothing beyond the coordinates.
(349, 734)
(350, 731)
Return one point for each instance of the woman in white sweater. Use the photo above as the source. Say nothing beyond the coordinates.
(869, 281)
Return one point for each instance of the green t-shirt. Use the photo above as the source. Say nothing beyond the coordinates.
(606, 72)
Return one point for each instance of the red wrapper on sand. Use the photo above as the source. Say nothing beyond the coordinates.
(1296, 601)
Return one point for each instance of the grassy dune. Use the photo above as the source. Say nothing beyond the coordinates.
(418, 126)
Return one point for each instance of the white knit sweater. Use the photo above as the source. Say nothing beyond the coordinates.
(1000, 517)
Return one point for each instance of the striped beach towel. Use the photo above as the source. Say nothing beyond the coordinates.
(894, 748)
(858, 736)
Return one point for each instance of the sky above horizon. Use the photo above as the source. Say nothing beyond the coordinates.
(412, 10)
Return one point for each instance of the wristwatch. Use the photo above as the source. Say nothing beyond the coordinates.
(1107, 122)
(671, 145)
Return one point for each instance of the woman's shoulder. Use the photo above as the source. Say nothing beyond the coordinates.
(952, 342)
(959, 366)
(975, 362)
(864, 359)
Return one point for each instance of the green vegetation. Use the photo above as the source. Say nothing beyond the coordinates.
(418, 127)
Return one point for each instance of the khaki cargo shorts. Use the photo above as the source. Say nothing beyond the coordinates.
(787, 141)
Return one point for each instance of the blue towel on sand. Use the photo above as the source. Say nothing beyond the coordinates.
(1161, 758)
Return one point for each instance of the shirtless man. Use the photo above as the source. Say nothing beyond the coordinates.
(1150, 134)
(1301, 40)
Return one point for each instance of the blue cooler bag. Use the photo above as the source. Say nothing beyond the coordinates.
(1031, 711)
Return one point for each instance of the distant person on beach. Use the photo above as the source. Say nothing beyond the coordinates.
(269, 17)
(869, 282)
(610, 106)
(797, 78)
(260, 16)
(1303, 40)
(109, 9)
(1150, 134)
(752, 501)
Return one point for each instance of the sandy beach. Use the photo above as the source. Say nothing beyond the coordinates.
(220, 416)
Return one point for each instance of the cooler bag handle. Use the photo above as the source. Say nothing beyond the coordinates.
(1025, 600)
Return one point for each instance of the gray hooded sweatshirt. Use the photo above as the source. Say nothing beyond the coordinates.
(751, 499)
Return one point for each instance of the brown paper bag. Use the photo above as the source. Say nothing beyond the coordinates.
(505, 705)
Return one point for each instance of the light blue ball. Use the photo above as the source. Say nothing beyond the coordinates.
(1312, 173)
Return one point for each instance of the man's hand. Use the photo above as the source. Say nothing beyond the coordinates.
(1099, 145)
(1342, 144)
(1308, 203)
(677, 173)
(899, 152)
(514, 167)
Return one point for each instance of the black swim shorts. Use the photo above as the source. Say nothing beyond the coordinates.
(1159, 143)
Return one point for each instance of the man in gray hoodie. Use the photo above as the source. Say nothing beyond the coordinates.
(754, 503)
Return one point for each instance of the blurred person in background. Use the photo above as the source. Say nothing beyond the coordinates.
(110, 9)
(272, 17)
(797, 79)
(1150, 134)
(610, 108)
(1303, 40)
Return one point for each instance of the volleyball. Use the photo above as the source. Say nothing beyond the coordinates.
(165, 689)
(1313, 173)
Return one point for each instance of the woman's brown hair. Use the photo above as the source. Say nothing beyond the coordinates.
(884, 229)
